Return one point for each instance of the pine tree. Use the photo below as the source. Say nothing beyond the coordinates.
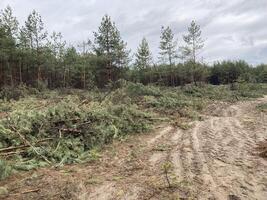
(193, 41)
(57, 45)
(168, 46)
(7, 52)
(9, 29)
(70, 59)
(109, 46)
(33, 34)
(85, 51)
(108, 41)
(33, 37)
(8, 22)
(54, 58)
(121, 55)
(143, 55)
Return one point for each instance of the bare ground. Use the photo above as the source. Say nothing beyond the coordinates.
(216, 158)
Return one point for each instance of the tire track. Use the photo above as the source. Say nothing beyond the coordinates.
(215, 157)
(207, 177)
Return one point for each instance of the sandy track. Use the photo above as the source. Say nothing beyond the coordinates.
(215, 159)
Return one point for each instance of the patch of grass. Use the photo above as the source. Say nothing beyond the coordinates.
(117, 178)
(93, 181)
(210, 92)
(138, 89)
(162, 147)
(3, 192)
(182, 125)
(249, 90)
(167, 167)
(262, 107)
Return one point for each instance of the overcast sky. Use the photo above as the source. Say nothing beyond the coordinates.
(232, 29)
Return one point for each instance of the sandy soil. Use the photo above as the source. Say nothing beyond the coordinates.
(214, 159)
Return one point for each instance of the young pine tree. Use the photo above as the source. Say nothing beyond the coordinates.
(168, 46)
(56, 47)
(193, 42)
(143, 56)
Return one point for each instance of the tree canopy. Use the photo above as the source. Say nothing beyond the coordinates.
(30, 55)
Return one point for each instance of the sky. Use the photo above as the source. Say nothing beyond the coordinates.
(232, 29)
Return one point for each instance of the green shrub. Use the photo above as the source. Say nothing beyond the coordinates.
(250, 90)
(209, 92)
(17, 92)
(166, 102)
(138, 89)
(262, 107)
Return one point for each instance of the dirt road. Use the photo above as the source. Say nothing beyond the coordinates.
(214, 159)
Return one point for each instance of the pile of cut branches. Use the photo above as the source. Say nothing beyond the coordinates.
(67, 131)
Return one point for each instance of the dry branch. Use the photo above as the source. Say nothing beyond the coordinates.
(8, 149)
(26, 192)
(28, 143)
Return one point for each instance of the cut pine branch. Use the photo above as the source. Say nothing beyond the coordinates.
(8, 149)
(28, 143)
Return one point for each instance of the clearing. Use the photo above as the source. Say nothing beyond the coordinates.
(215, 158)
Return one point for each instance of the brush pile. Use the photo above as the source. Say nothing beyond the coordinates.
(43, 132)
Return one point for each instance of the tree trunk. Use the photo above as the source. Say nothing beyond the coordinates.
(64, 78)
(20, 71)
(84, 79)
(2, 76)
(10, 74)
(39, 75)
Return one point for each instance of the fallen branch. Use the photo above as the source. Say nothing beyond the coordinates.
(84, 123)
(23, 146)
(28, 143)
(67, 120)
(30, 191)
(72, 130)
(13, 148)
(26, 192)
(12, 153)
(86, 101)
(60, 135)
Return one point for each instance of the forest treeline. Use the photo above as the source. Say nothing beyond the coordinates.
(30, 55)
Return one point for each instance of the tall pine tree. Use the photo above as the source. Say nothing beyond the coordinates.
(168, 46)
(109, 46)
(8, 40)
(33, 37)
(193, 42)
(8, 22)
